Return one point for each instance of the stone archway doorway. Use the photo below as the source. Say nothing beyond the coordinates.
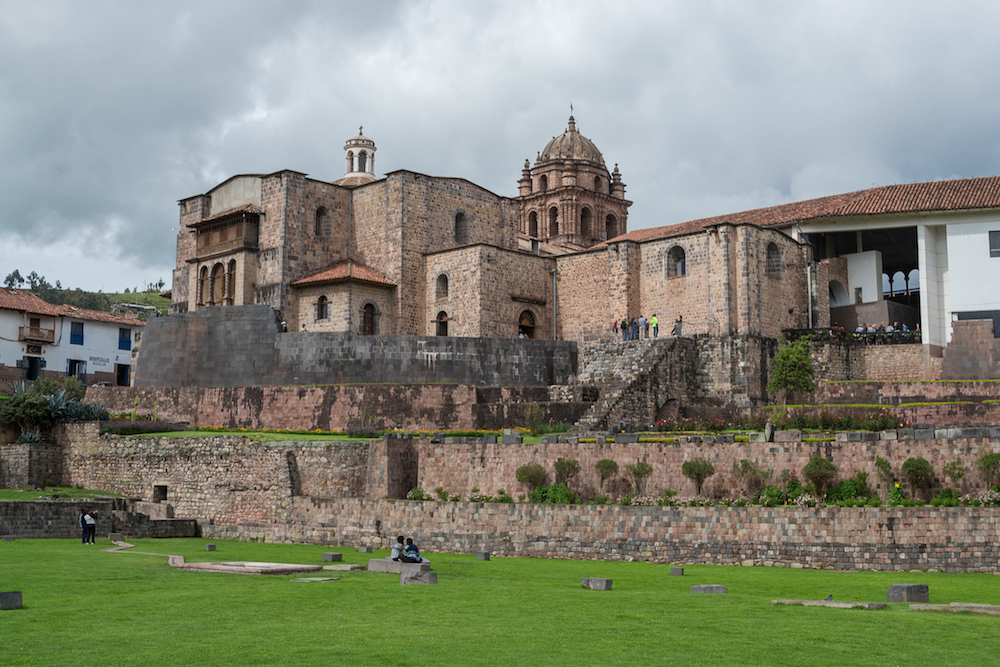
(526, 325)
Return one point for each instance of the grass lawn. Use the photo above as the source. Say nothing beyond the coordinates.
(53, 492)
(84, 606)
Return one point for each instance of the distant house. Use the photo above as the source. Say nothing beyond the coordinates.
(38, 339)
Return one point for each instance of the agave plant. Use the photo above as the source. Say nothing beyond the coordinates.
(18, 387)
(31, 435)
(58, 404)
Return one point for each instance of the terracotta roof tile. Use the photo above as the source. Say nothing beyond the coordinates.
(345, 270)
(23, 300)
(953, 195)
(100, 316)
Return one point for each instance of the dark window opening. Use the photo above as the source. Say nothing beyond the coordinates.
(461, 229)
(322, 308)
(159, 493)
(76, 333)
(526, 324)
(368, 320)
(676, 262)
(122, 373)
(994, 244)
(442, 324)
(124, 339)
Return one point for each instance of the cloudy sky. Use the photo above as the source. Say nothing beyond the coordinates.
(112, 111)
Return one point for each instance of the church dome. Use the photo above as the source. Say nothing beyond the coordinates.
(573, 146)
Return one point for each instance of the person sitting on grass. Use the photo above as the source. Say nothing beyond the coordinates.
(397, 549)
(412, 552)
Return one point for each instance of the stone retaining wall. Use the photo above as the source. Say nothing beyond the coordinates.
(241, 346)
(53, 518)
(337, 407)
(30, 466)
(947, 539)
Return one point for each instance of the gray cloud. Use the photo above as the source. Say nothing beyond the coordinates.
(110, 112)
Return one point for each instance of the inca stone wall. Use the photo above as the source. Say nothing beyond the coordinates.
(885, 538)
(241, 346)
(30, 466)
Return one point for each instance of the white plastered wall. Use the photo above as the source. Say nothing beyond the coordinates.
(864, 271)
(932, 257)
(975, 276)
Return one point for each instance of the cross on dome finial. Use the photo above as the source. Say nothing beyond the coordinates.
(361, 129)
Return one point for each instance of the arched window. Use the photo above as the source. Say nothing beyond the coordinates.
(368, 320)
(553, 221)
(543, 183)
(322, 308)
(838, 295)
(350, 161)
(202, 285)
(362, 161)
(597, 183)
(442, 324)
(773, 267)
(913, 280)
(586, 223)
(461, 228)
(526, 324)
(676, 262)
(231, 282)
(610, 227)
(321, 219)
(442, 287)
(217, 289)
(898, 285)
(533, 224)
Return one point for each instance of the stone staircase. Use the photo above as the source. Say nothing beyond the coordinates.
(616, 369)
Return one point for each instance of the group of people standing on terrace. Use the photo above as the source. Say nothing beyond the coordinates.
(883, 332)
(637, 328)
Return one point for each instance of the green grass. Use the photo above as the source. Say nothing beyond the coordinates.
(84, 606)
(53, 491)
(260, 436)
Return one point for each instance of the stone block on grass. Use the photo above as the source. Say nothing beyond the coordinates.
(908, 593)
(677, 572)
(11, 600)
(406, 578)
(175, 560)
(115, 537)
(8, 538)
(209, 547)
(386, 565)
(482, 555)
(595, 584)
(332, 557)
(364, 550)
(713, 589)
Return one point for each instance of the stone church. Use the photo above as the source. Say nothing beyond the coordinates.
(407, 254)
(411, 254)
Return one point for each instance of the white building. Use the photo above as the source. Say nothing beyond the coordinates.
(38, 339)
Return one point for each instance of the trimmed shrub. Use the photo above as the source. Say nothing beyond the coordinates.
(918, 473)
(606, 469)
(531, 475)
(638, 472)
(566, 469)
(698, 470)
(820, 472)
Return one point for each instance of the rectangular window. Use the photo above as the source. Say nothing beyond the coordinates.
(994, 244)
(76, 333)
(124, 339)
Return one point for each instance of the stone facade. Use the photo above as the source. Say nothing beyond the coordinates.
(886, 538)
(30, 466)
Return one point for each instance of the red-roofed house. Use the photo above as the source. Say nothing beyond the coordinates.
(39, 339)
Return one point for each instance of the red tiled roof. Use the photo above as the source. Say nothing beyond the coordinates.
(955, 195)
(345, 270)
(99, 316)
(23, 300)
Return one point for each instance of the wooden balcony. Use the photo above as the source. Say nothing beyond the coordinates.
(36, 335)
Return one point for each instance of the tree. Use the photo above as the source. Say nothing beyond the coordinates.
(606, 469)
(820, 472)
(531, 475)
(750, 477)
(639, 472)
(14, 279)
(792, 370)
(28, 409)
(566, 469)
(955, 470)
(988, 465)
(918, 473)
(698, 470)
